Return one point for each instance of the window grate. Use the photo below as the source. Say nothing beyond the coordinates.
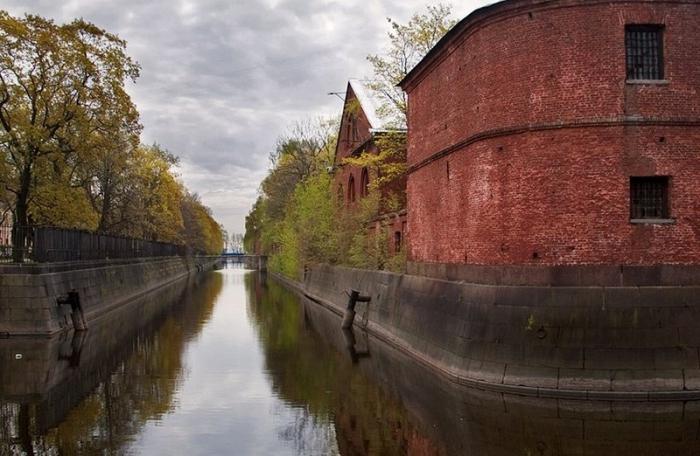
(649, 197)
(644, 49)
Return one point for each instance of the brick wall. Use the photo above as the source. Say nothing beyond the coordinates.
(523, 135)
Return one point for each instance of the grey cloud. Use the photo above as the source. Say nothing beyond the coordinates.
(222, 79)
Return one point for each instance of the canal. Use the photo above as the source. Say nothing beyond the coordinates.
(233, 363)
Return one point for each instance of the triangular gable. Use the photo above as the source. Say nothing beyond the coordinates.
(353, 107)
(364, 103)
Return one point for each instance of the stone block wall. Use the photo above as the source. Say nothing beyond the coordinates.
(29, 296)
(588, 342)
(473, 421)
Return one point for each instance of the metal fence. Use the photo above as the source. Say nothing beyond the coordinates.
(47, 244)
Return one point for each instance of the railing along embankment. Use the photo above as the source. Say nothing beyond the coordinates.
(55, 279)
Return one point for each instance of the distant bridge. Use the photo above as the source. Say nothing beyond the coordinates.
(258, 262)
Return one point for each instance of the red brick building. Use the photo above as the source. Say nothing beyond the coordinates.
(360, 126)
(558, 132)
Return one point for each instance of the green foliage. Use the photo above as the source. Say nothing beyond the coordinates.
(297, 219)
(408, 44)
(61, 94)
(313, 215)
(369, 249)
(286, 259)
(292, 220)
(388, 166)
(397, 262)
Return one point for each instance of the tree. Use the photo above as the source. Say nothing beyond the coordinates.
(152, 207)
(106, 177)
(409, 43)
(305, 151)
(201, 232)
(61, 90)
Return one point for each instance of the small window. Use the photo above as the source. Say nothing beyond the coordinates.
(397, 241)
(644, 50)
(649, 197)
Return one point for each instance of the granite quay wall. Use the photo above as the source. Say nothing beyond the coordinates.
(31, 295)
(623, 342)
(54, 374)
(474, 421)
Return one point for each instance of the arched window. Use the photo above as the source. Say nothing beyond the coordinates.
(351, 190)
(364, 183)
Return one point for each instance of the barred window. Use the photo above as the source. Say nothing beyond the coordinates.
(644, 50)
(649, 197)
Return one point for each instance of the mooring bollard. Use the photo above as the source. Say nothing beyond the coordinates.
(354, 298)
(73, 299)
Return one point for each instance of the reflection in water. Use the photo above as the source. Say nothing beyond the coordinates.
(91, 392)
(234, 364)
(309, 372)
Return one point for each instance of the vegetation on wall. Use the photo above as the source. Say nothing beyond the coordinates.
(298, 218)
(408, 44)
(70, 153)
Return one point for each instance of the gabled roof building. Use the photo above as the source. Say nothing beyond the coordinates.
(361, 124)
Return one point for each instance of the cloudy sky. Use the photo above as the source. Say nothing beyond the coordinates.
(222, 79)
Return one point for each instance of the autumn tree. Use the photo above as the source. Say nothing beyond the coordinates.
(107, 176)
(408, 44)
(151, 208)
(201, 232)
(297, 219)
(61, 87)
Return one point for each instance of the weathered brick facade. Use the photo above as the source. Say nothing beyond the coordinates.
(524, 132)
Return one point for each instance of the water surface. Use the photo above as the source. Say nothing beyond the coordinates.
(235, 364)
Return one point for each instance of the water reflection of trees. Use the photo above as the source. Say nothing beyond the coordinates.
(368, 420)
(322, 385)
(119, 390)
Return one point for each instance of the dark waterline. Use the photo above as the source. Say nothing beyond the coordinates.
(236, 364)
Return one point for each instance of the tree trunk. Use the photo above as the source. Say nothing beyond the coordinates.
(20, 227)
(105, 216)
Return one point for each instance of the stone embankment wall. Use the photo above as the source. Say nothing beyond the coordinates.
(625, 342)
(30, 295)
(477, 422)
(56, 373)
